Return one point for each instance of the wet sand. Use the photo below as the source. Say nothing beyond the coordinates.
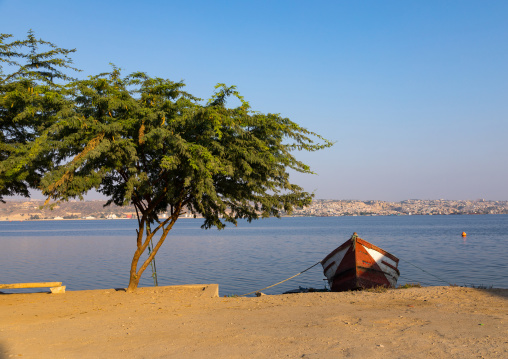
(189, 322)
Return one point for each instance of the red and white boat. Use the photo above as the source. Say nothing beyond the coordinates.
(358, 264)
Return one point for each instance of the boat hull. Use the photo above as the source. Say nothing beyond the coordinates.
(358, 264)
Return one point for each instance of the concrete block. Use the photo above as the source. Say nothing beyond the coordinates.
(56, 290)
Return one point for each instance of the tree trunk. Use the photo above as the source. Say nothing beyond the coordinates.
(135, 274)
(134, 277)
(133, 284)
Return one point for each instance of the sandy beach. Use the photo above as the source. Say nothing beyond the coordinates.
(192, 322)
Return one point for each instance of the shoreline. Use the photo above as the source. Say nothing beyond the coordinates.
(291, 216)
(35, 209)
(192, 322)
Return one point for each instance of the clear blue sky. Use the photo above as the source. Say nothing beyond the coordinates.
(415, 93)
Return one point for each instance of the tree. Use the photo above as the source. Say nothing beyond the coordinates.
(144, 141)
(30, 102)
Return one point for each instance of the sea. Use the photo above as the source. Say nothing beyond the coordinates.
(96, 254)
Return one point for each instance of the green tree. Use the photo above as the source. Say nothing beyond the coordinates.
(30, 103)
(144, 141)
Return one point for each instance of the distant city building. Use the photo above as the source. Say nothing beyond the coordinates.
(34, 210)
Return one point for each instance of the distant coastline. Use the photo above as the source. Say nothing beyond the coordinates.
(19, 210)
(403, 208)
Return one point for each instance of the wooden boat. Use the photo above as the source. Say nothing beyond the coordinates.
(358, 264)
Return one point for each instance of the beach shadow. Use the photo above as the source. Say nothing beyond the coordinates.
(495, 292)
(120, 290)
(3, 351)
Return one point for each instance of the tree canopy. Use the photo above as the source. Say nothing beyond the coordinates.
(30, 102)
(144, 141)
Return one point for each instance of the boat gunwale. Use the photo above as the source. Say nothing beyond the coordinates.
(369, 245)
(325, 269)
(391, 266)
(336, 250)
(364, 243)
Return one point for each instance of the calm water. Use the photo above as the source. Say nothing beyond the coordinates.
(97, 254)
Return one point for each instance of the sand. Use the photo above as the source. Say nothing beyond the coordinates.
(188, 322)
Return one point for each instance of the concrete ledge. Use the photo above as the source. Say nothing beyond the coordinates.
(60, 289)
(190, 290)
(30, 285)
(195, 290)
(55, 287)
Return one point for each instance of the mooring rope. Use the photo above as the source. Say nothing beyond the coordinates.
(423, 270)
(285, 280)
(315, 264)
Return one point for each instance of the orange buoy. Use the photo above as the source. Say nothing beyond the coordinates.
(464, 234)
